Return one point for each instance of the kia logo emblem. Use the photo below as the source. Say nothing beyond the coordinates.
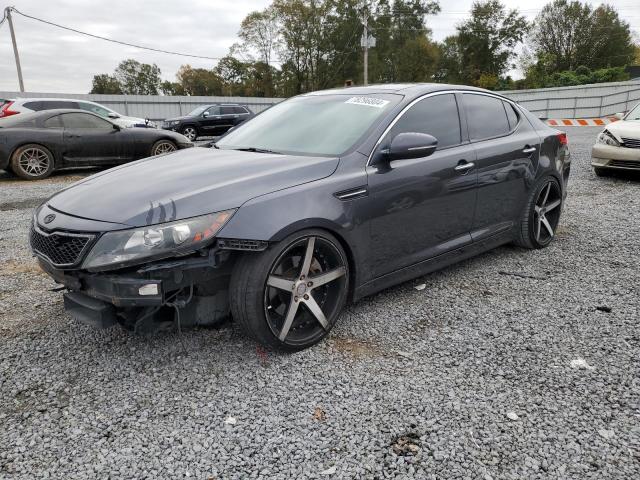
(49, 218)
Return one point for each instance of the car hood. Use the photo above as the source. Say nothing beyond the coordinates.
(177, 119)
(625, 129)
(185, 184)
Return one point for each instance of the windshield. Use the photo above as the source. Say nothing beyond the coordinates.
(196, 112)
(312, 125)
(634, 114)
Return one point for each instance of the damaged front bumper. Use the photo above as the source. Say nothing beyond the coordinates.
(145, 298)
(616, 158)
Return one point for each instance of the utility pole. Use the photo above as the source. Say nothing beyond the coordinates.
(365, 38)
(7, 12)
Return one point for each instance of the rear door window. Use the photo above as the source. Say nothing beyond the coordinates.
(436, 116)
(54, 104)
(240, 110)
(97, 109)
(486, 116)
(227, 110)
(53, 122)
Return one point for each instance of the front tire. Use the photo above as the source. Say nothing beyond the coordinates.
(32, 162)
(163, 146)
(601, 172)
(290, 296)
(541, 216)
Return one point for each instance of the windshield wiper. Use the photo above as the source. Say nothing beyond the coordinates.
(256, 150)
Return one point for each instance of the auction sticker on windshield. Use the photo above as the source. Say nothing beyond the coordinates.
(368, 101)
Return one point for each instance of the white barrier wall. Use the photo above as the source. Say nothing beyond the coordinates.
(580, 101)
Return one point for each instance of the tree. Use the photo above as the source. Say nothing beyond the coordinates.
(404, 50)
(260, 32)
(481, 51)
(199, 81)
(568, 34)
(138, 78)
(105, 83)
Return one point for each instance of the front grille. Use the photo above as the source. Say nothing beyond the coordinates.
(631, 142)
(61, 249)
(624, 164)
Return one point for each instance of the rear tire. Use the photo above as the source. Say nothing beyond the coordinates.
(290, 296)
(541, 215)
(32, 162)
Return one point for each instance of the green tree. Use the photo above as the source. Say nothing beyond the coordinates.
(138, 78)
(199, 81)
(105, 83)
(568, 34)
(481, 51)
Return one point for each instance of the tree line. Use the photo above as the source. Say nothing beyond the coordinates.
(296, 46)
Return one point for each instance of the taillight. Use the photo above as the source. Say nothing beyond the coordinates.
(563, 138)
(6, 111)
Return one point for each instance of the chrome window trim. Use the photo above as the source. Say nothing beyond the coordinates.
(510, 132)
(404, 110)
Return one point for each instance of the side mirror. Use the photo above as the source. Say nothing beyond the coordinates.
(619, 116)
(116, 127)
(205, 114)
(411, 145)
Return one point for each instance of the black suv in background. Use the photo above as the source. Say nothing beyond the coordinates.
(209, 120)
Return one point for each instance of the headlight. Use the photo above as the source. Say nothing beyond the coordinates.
(172, 123)
(122, 247)
(606, 138)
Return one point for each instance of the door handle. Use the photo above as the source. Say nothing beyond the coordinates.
(464, 166)
(528, 150)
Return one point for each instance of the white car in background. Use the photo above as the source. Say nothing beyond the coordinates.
(618, 145)
(28, 105)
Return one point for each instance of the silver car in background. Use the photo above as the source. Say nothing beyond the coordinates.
(30, 105)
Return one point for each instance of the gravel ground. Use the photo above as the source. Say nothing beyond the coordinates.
(516, 364)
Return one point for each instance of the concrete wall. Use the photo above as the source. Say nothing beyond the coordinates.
(583, 101)
(580, 101)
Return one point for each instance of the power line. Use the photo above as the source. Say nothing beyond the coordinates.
(168, 52)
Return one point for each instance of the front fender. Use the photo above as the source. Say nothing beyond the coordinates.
(274, 216)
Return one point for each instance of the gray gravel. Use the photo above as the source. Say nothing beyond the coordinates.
(481, 375)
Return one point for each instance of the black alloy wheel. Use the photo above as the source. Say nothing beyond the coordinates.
(302, 285)
(542, 215)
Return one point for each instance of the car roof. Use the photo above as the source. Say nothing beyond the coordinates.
(49, 99)
(406, 89)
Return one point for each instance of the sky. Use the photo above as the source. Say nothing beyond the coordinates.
(59, 61)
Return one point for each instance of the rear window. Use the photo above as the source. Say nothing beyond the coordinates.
(35, 106)
(55, 104)
(512, 115)
(486, 116)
